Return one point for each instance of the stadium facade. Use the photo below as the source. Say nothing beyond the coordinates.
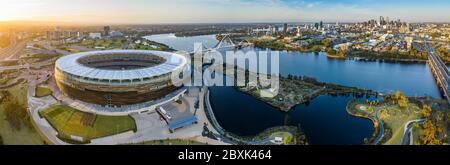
(118, 77)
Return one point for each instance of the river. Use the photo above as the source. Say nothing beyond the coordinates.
(324, 119)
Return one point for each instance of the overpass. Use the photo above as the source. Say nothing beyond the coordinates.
(440, 71)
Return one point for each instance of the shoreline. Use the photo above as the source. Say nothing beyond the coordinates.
(376, 131)
(380, 130)
(388, 60)
(257, 139)
(317, 89)
(358, 58)
(336, 57)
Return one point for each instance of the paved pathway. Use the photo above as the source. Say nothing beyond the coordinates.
(407, 132)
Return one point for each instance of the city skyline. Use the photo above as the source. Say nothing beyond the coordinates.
(218, 11)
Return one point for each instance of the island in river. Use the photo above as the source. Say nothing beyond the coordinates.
(294, 90)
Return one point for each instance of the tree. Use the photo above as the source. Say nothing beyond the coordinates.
(330, 51)
(429, 134)
(341, 52)
(287, 139)
(426, 111)
(326, 42)
(15, 114)
(402, 100)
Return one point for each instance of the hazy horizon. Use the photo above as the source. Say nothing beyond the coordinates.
(221, 11)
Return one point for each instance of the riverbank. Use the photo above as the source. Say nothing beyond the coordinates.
(391, 116)
(318, 46)
(198, 33)
(386, 57)
(357, 109)
(295, 90)
(296, 134)
(324, 117)
(336, 56)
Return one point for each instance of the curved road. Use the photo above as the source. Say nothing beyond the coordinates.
(380, 128)
(408, 131)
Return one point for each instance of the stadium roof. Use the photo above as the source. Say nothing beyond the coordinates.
(70, 64)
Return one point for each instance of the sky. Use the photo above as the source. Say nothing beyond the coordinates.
(222, 11)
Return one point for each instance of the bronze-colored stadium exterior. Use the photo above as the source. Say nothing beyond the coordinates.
(118, 77)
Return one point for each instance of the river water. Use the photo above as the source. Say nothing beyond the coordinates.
(324, 119)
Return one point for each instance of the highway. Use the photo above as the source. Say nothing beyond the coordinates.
(13, 49)
(440, 71)
(26, 66)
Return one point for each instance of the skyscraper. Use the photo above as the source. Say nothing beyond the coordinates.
(382, 21)
(106, 30)
(285, 28)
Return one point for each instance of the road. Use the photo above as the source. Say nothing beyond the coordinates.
(380, 128)
(26, 66)
(440, 71)
(408, 131)
(13, 49)
(35, 105)
(149, 125)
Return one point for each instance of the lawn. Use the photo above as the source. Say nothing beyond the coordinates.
(395, 118)
(69, 121)
(42, 92)
(24, 136)
(107, 43)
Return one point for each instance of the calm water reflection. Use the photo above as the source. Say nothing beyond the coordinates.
(324, 120)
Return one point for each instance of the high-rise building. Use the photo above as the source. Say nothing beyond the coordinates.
(382, 21)
(285, 28)
(316, 26)
(106, 30)
(298, 31)
(321, 24)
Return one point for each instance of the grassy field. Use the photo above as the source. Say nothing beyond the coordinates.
(395, 118)
(69, 121)
(24, 136)
(107, 43)
(42, 92)
(171, 142)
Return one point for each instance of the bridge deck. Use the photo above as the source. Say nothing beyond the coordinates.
(440, 72)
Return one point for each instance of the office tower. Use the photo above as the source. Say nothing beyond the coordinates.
(106, 30)
(285, 28)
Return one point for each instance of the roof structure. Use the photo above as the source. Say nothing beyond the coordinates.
(69, 64)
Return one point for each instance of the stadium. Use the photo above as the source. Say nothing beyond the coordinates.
(115, 78)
